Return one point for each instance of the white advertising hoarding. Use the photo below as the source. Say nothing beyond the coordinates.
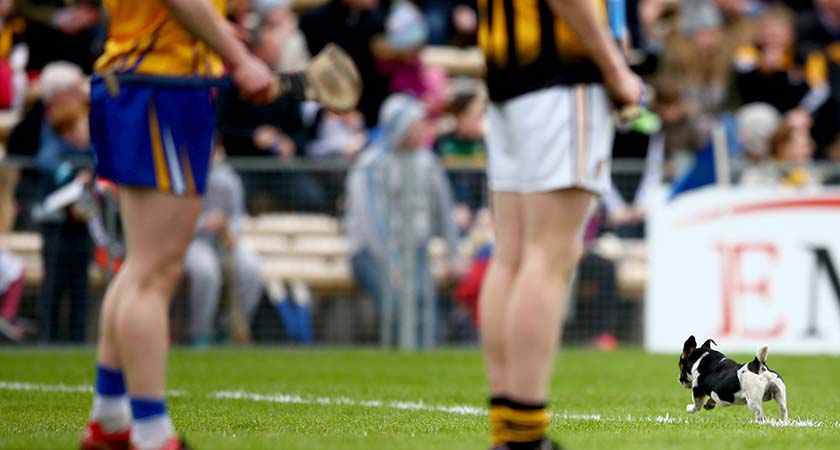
(745, 267)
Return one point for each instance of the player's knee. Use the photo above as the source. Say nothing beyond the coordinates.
(508, 261)
(162, 278)
(558, 256)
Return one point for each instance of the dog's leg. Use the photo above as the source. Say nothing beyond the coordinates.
(781, 399)
(699, 395)
(692, 408)
(710, 405)
(755, 405)
(754, 387)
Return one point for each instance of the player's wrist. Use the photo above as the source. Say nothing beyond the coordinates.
(238, 57)
(614, 69)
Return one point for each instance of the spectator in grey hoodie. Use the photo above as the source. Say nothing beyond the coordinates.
(220, 222)
(394, 184)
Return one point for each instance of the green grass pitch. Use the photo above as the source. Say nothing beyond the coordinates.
(259, 399)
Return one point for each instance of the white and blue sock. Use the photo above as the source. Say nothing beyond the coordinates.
(152, 426)
(110, 401)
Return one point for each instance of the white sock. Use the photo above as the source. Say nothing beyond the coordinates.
(152, 433)
(112, 413)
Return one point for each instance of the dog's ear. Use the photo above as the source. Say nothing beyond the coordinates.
(689, 346)
(708, 343)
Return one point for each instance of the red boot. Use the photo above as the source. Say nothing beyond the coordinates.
(95, 438)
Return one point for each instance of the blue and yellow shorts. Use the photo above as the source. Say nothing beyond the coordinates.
(159, 137)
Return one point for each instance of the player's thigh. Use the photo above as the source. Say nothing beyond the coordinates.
(556, 217)
(158, 228)
(508, 225)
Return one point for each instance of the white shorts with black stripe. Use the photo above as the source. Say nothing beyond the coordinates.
(555, 138)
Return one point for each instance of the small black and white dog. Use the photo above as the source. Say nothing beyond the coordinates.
(709, 373)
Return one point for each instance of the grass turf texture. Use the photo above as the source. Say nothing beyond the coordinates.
(614, 386)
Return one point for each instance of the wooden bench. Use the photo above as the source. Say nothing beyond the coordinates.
(27, 246)
(311, 249)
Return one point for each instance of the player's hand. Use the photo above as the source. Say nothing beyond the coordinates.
(254, 80)
(624, 87)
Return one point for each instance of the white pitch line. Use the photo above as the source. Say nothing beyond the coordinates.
(37, 387)
(463, 410)
(344, 401)
(83, 389)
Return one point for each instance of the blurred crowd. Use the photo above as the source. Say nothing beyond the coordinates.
(758, 81)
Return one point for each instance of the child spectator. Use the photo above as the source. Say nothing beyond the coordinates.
(793, 149)
(398, 198)
(791, 153)
(217, 238)
(755, 125)
(406, 32)
(465, 146)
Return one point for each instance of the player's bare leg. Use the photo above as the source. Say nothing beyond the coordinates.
(158, 229)
(495, 296)
(553, 226)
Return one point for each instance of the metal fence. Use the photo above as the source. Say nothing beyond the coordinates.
(308, 292)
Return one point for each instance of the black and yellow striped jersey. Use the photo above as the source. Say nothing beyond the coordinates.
(528, 48)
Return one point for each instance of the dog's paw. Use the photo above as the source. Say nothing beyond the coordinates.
(691, 408)
(710, 405)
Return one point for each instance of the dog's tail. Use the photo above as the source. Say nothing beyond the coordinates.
(761, 354)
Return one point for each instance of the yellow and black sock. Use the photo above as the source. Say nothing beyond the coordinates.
(526, 425)
(498, 420)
